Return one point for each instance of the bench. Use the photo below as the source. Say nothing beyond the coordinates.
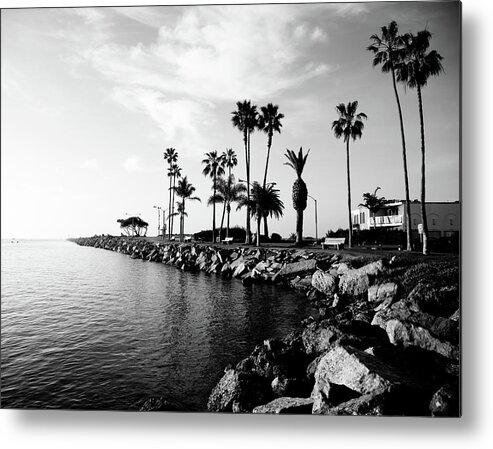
(187, 238)
(338, 242)
(228, 240)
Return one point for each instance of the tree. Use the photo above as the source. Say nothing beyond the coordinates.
(245, 118)
(213, 167)
(388, 50)
(349, 126)
(300, 192)
(373, 203)
(133, 226)
(174, 172)
(264, 201)
(185, 191)
(230, 161)
(269, 121)
(417, 66)
(170, 156)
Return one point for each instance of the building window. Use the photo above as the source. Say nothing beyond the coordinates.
(415, 222)
(433, 222)
(451, 222)
(362, 218)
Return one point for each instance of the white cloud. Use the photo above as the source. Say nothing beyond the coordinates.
(350, 9)
(318, 35)
(91, 164)
(133, 164)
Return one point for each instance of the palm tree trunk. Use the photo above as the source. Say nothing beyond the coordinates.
(214, 212)
(222, 222)
(404, 160)
(349, 197)
(269, 144)
(173, 204)
(266, 227)
(423, 183)
(299, 227)
(227, 221)
(182, 222)
(259, 217)
(169, 216)
(247, 149)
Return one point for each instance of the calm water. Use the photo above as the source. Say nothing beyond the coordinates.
(89, 328)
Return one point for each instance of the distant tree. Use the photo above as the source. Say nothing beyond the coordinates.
(185, 191)
(170, 156)
(349, 126)
(174, 171)
(373, 203)
(133, 226)
(213, 167)
(300, 192)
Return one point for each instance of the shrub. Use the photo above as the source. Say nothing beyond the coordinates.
(275, 238)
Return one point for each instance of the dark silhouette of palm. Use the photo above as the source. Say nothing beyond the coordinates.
(349, 126)
(230, 161)
(175, 173)
(417, 66)
(185, 191)
(245, 118)
(269, 121)
(264, 201)
(373, 203)
(170, 156)
(300, 192)
(389, 51)
(213, 167)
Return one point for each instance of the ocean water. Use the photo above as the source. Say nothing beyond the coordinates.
(85, 328)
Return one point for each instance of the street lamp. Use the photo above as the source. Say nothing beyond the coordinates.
(158, 218)
(316, 222)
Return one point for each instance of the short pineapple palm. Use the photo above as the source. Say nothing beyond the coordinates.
(300, 192)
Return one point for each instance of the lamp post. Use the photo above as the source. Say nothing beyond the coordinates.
(158, 218)
(316, 222)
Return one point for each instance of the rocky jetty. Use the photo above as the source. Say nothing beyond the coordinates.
(386, 341)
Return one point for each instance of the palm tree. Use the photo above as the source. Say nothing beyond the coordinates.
(265, 201)
(373, 203)
(269, 121)
(230, 161)
(175, 173)
(300, 192)
(388, 51)
(213, 167)
(417, 66)
(185, 191)
(245, 118)
(170, 156)
(350, 126)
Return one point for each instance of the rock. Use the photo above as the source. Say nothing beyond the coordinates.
(246, 390)
(300, 268)
(160, 403)
(324, 282)
(341, 268)
(240, 270)
(382, 292)
(286, 405)
(408, 334)
(356, 282)
(455, 316)
(439, 300)
(445, 402)
(261, 266)
(318, 337)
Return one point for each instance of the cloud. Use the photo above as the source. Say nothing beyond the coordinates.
(91, 164)
(350, 9)
(133, 164)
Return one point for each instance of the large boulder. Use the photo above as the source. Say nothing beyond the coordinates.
(238, 392)
(357, 281)
(324, 282)
(445, 402)
(286, 405)
(382, 292)
(301, 268)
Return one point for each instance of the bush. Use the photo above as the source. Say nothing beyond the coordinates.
(275, 238)
(237, 233)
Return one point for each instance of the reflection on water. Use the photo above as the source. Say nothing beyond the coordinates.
(88, 328)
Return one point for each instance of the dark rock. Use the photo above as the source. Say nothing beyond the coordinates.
(382, 292)
(155, 404)
(445, 402)
(356, 282)
(301, 268)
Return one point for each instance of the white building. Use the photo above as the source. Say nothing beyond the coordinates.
(443, 217)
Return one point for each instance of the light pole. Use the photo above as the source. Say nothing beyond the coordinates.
(316, 222)
(158, 218)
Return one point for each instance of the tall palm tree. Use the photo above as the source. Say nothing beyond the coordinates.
(175, 173)
(269, 121)
(265, 201)
(230, 161)
(349, 126)
(415, 69)
(213, 167)
(245, 118)
(170, 156)
(388, 50)
(300, 192)
(185, 191)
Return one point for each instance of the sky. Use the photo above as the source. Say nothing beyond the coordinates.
(92, 97)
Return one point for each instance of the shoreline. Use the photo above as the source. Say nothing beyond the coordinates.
(386, 341)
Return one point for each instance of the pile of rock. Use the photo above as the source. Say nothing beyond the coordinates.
(380, 347)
